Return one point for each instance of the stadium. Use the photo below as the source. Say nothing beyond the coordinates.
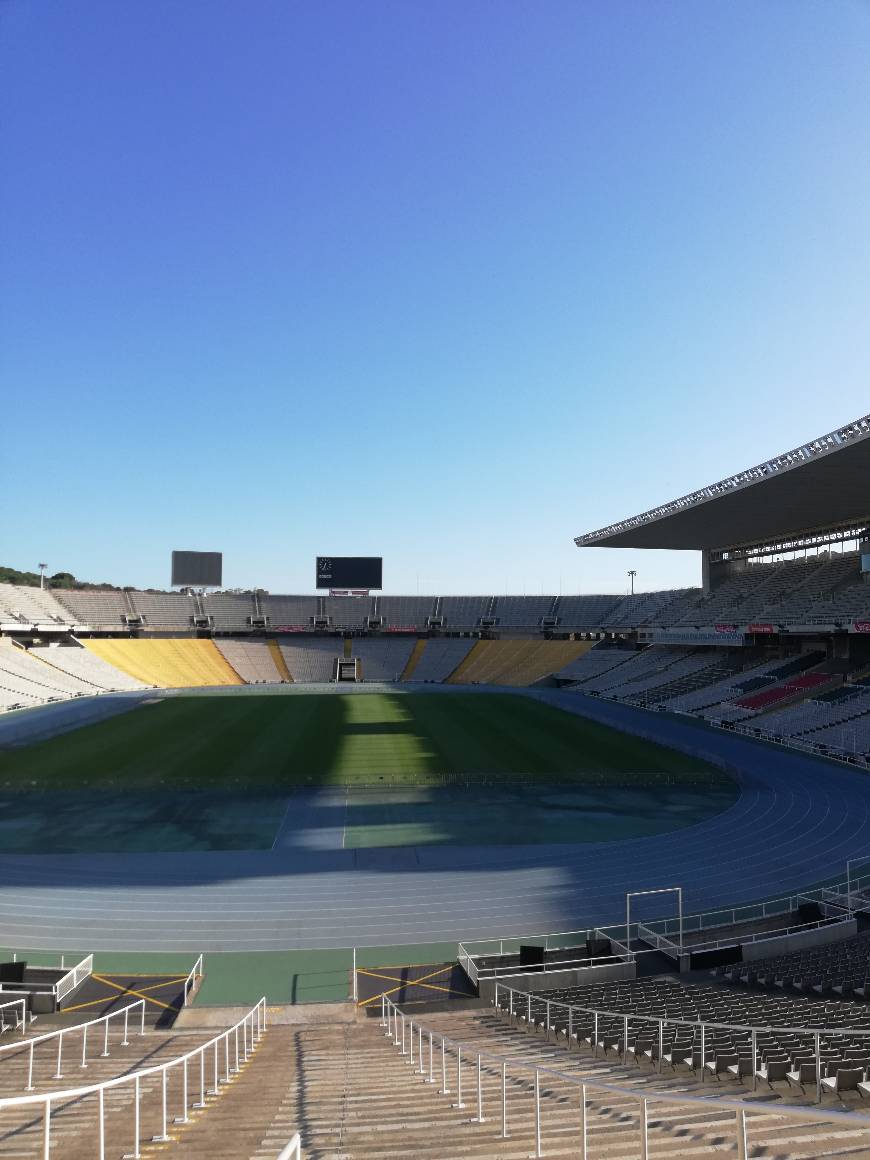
(561, 858)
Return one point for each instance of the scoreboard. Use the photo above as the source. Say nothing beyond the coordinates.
(197, 569)
(350, 571)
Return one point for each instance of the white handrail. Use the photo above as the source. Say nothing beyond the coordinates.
(402, 1030)
(195, 972)
(77, 975)
(293, 1149)
(59, 1033)
(250, 1027)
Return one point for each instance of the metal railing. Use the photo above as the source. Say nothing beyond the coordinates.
(292, 1151)
(73, 978)
(64, 985)
(407, 1035)
(20, 1019)
(520, 1005)
(62, 1033)
(225, 1058)
(193, 976)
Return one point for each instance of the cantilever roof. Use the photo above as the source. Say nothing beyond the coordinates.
(821, 484)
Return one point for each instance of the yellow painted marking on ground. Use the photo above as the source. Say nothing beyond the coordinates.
(130, 991)
(401, 983)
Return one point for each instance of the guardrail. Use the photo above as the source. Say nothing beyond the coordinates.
(292, 1151)
(20, 1020)
(404, 1032)
(60, 1033)
(524, 1008)
(195, 973)
(73, 978)
(251, 1027)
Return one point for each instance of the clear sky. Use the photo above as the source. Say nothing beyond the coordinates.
(447, 282)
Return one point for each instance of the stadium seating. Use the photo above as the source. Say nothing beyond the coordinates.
(383, 660)
(439, 658)
(289, 611)
(515, 662)
(164, 609)
(522, 611)
(228, 610)
(347, 611)
(167, 662)
(97, 608)
(587, 612)
(24, 605)
(313, 661)
(251, 659)
(88, 667)
(26, 676)
(839, 970)
(464, 612)
(405, 611)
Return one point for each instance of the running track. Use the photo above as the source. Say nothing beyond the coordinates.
(795, 823)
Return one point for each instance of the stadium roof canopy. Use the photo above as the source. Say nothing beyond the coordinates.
(822, 484)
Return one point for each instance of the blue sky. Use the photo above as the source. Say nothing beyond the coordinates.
(449, 283)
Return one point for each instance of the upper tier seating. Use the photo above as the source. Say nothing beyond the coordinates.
(289, 611)
(251, 659)
(522, 611)
(585, 611)
(516, 662)
(347, 611)
(440, 658)
(99, 609)
(164, 609)
(460, 612)
(228, 610)
(646, 607)
(313, 661)
(89, 668)
(167, 662)
(20, 604)
(383, 660)
(406, 611)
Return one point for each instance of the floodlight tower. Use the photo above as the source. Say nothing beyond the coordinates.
(632, 572)
(42, 568)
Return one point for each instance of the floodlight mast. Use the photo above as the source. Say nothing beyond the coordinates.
(42, 568)
(632, 572)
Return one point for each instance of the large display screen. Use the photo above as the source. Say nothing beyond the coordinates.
(350, 571)
(197, 569)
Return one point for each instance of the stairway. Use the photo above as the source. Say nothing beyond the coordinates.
(413, 660)
(353, 1096)
(278, 658)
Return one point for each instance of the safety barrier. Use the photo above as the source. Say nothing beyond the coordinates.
(61, 1033)
(73, 978)
(226, 1045)
(519, 1003)
(194, 974)
(405, 1033)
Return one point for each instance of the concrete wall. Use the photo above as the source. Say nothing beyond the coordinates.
(800, 940)
(550, 980)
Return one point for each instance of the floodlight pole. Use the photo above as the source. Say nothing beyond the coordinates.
(632, 572)
(42, 568)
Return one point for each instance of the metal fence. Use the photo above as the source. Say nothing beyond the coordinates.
(218, 1061)
(194, 975)
(437, 1059)
(292, 1151)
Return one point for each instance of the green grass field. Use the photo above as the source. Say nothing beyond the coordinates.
(282, 742)
(220, 772)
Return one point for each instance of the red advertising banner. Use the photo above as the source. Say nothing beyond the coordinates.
(861, 625)
(725, 627)
(761, 628)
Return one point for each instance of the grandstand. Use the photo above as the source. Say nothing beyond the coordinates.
(167, 662)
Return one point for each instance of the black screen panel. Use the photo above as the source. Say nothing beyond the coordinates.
(350, 571)
(197, 569)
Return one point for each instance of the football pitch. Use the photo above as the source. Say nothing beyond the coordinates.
(378, 769)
